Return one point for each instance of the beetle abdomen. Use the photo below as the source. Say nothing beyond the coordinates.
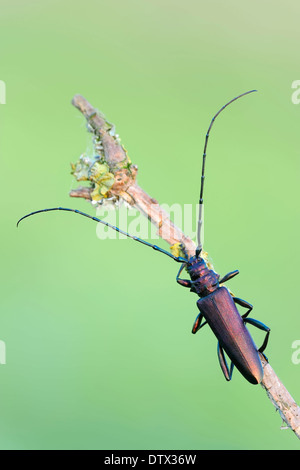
(225, 321)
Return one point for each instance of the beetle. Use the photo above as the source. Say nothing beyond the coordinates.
(217, 306)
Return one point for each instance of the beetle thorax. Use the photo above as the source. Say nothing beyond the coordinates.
(204, 280)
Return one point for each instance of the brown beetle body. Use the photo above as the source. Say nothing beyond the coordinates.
(217, 307)
(221, 314)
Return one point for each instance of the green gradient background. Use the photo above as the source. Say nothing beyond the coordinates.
(99, 349)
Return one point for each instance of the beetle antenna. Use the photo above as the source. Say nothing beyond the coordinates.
(155, 247)
(200, 221)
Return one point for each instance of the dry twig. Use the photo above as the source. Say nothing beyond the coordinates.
(123, 186)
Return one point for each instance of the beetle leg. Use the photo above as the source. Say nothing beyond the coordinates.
(244, 304)
(228, 276)
(198, 323)
(223, 363)
(183, 282)
(263, 327)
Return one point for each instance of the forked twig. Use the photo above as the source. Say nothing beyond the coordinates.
(123, 186)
